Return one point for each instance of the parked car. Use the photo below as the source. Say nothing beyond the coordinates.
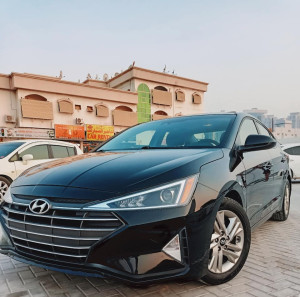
(17, 156)
(293, 150)
(164, 199)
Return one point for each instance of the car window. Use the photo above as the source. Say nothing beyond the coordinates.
(247, 128)
(71, 151)
(191, 132)
(59, 151)
(8, 147)
(297, 150)
(294, 151)
(262, 130)
(290, 151)
(39, 152)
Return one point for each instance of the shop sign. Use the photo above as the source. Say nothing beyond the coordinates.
(27, 133)
(99, 132)
(69, 132)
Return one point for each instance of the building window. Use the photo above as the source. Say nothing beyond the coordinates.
(124, 116)
(77, 107)
(35, 106)
(35, 97)
(197, 98)
(161, 88)
(89, 109)
(160, 95)
(102, 111)
(159, 115)
(180, 96)
(65, 106)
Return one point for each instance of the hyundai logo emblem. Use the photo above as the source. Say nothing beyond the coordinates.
(39, 206)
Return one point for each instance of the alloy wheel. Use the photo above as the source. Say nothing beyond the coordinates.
(3, 189)
(227, 242)
(287, 200)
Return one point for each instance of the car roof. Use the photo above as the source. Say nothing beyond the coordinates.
(50, 141)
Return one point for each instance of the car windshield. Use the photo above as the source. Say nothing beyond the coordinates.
(7, 147)
(204, 131)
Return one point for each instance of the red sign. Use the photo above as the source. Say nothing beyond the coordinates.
(69, 132)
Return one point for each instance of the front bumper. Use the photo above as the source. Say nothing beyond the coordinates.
(133, 252)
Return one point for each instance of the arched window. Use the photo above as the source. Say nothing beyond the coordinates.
(161, 88)
(159, 115)
(101, 110)
(65, 105)
(160, 95)
(123, 107)
(124, 116)
(180, 96)
(35, 97)
(197, 98)
(35, 106)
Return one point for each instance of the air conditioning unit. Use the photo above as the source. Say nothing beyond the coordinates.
(79, 121)
(10, 119)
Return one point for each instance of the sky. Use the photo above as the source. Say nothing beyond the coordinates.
(248, 51)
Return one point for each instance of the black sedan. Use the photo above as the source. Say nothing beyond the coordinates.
(164, 199)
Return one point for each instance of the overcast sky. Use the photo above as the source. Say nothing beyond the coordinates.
(248, 51)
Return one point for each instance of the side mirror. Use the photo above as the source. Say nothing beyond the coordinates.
(27, 158)
(257, 143)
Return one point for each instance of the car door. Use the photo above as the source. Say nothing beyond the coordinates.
(40, 153)
(257, 174)
(278, 165)
(294, 153)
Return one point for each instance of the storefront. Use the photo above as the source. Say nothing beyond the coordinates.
(87, 137)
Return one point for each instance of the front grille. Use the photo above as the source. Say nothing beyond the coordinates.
(60, 234)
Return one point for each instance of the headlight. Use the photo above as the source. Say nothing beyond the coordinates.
(174, 194)
(7, 197)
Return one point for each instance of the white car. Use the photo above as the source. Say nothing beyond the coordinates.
(17, 156)
(293, 150)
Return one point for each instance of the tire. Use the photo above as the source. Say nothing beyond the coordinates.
(4, 185)
(233, 248)
(283, 213)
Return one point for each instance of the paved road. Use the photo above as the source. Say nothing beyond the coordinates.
(272, 269)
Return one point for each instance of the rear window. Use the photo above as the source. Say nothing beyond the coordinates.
(8, 147)
(71, 151)
(59, 151)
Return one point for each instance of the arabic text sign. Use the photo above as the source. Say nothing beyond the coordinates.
(98, 132)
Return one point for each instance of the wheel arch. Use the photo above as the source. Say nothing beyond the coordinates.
(7, 177)
(233, 194)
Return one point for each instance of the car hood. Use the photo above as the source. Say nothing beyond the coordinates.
(115, 173)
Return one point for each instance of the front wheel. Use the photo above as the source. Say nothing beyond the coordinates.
(230, 243)
(4, 185)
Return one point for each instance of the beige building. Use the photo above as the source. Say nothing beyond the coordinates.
(34, 106)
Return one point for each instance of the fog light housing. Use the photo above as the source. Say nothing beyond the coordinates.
(4, 239)
(173, 249)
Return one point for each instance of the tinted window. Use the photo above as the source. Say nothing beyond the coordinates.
(39, 152)
(290, 151)
(247, 128)
(71, 151)
(262, 130)
(185, 132)
(59, 151)
(8, 147)
(295, 151)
